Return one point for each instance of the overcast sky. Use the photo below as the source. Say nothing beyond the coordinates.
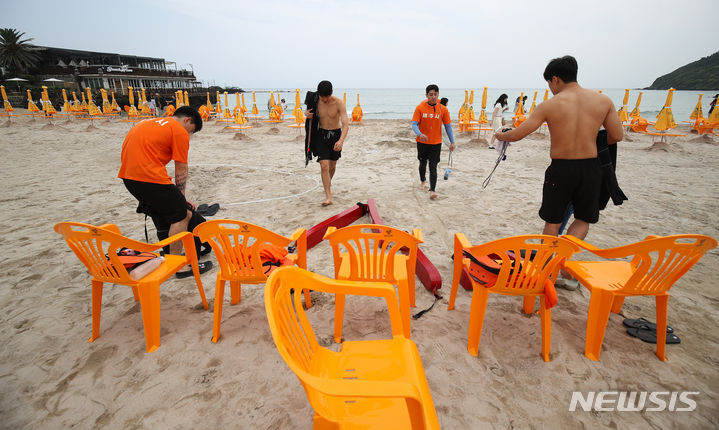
(385, 44)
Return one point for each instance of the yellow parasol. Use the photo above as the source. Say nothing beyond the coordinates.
(218, 106)
(546, 95)
(227, 106)
(463, 108)
(255, 111)
(623, 116)
(244, 108)
(226, 112)
(472, 117)
(714, 116)
(187, 98)
(534, 103)
(520, 106)
(298, 105)
(114, 105)
(209, 103)
(483, 115)
(357, 113)
(665, 119)
(344, 98)
(144, 106)
(66, 104)
(92, 108)
(106, 107)
(6, 104)
(46, 104)
(31, 106)
(132, 112)
(635, 112)
(697, 113)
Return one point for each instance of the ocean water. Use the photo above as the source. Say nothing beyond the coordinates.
(399, 103)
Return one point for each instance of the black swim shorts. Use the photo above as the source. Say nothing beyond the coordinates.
(163, 200)
(323, 148)
(426, 151)
(571, 181)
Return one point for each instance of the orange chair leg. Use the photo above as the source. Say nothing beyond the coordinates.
(96, 309)
(339, 316)
(546, 318)
(617, 304)
(456, 276)
(404, 306)
(135, 295)
(150, 308)
(217, 312)
(600, 304)
(308, 300)
(476, 319)
(235, 292)
(528, 304)
(662, 326)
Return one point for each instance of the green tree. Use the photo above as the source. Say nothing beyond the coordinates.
(16, 54)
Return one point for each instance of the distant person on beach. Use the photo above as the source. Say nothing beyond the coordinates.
(500, 106)
(517, 101)
(574, 116)
(159, 104)
(283, 104)
(444, 101)
(333, 127)
(148, 147)
(427, 121)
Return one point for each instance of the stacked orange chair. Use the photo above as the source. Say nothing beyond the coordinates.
(655, 264)
(97, 247)
(371, 253)
(240, 248)
(529, 267)
(373, 384)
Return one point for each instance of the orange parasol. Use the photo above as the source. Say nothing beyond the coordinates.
(92, 108)
(623, 116)
(255, 111)
(635, 112)
(697, 113)
(546, 95)
(665, 118)
(244, 108)
(534, 103)
(483, 115)
(357, 113)
(31, 106)
(6, 104)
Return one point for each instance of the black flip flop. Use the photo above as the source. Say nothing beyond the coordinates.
(211, 210)
(641, 323)
(204, 266)
(650, 336)
(202, 208)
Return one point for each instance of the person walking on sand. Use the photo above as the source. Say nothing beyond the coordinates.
(333, 127)
(574, 116)
(427, 125)
(500, 106)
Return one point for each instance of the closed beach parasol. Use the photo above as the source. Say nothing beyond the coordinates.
(534, 103)
(6, 104)
(623, 115)
(209, 103)
(31, 106)
(297, 111)
(132, 112)
(244, 108)
(665, 119)
(714, 116)
(483, 114)
(113, 105)
(92, 108)
(255, 111)
(106, 106)
(635, 112)
(546, 95)
(218, 106)
(357, 113)
(697, 113)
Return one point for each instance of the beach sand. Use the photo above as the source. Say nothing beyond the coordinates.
(52, 377)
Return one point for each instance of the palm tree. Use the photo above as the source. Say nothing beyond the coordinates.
(16, 54)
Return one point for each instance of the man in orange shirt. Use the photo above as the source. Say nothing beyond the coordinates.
(148, 148)
(427, 123)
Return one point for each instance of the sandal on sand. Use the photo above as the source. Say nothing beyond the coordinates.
(567, 284)
(650, 336)
(206, 210)
(204, 266)
(643, 324)
(202, 208)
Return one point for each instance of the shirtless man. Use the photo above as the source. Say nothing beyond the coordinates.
(328, 146)
(574, 116)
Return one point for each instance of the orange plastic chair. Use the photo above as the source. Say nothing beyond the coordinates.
(639, 124)
(237, 247)
(94, 245)
(370, 253)
(539, 264)
(371, 384)
(656, 264)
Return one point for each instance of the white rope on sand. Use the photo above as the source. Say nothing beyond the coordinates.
(289, 196)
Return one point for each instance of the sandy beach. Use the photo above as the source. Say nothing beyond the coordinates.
(53, 378)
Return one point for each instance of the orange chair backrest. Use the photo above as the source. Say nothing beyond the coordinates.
(94, 245)
(660, 261)
(237, 247)
(372, 249)
(527, 261)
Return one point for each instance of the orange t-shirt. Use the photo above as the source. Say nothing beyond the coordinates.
(149, 146)
(430, 119)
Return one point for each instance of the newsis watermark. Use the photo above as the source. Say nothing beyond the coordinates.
(633, 401)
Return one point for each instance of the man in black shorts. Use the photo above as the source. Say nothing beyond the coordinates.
(148, 147)
(574, 116)
(333, 127)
